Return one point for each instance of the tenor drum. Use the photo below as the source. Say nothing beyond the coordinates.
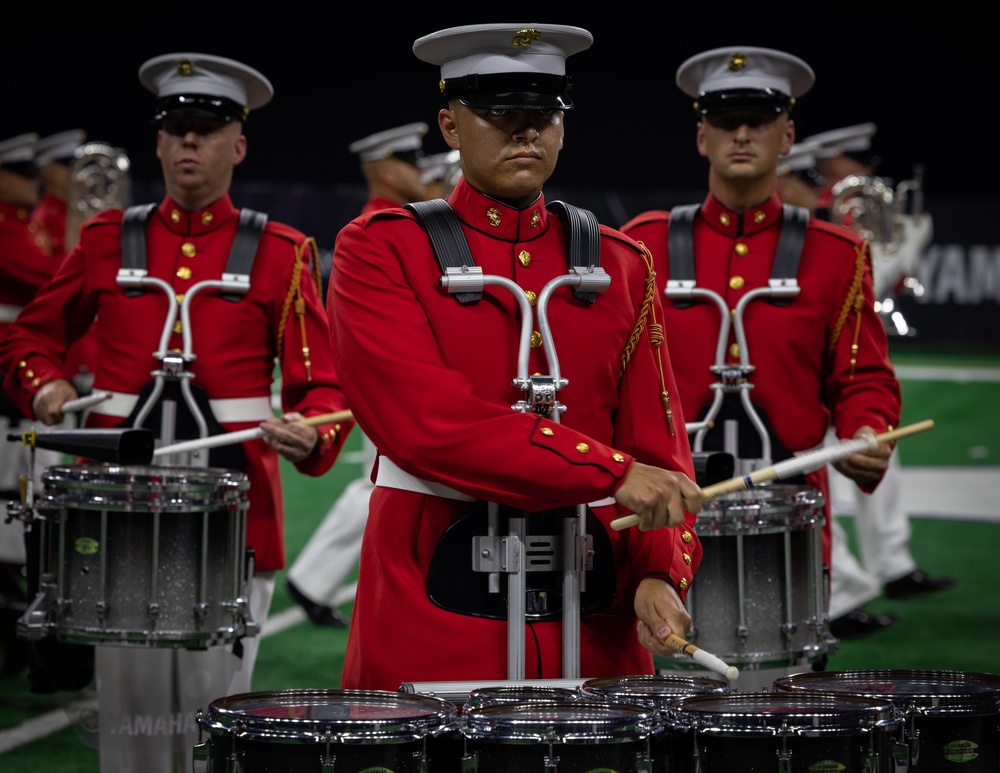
(951, 719)
(559, 736)
(142, 556)
(655, 692)
(314, 730)
(526, 693)
(766, 732)
(759, 598)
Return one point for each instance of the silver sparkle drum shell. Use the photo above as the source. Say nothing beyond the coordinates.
(142, 556)
(758, 598)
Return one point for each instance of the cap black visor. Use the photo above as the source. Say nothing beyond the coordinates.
(743, 99)
(511, 91)
(199, 106)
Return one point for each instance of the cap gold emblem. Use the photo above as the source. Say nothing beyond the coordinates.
(737, 62)
(185, 68)
(524, 38)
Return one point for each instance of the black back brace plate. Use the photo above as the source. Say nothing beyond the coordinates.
(680, 244)
(583, 239)
(453, 584)
(241, 254)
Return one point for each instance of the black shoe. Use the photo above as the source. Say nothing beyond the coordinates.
(916, 582)
(320, 614)
(857, 623)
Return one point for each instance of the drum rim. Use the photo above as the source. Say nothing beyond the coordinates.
(584, 722)
(230, 712)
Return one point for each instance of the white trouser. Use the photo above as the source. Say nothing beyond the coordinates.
(333, 550)
(882, 528)
(148, 697)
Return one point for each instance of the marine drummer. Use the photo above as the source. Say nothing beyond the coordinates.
(430, 375)
(202, 103)
(818, 357)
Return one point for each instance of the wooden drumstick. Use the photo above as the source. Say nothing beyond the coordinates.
(707, 659)
(214, 441)
(81, 403)
(807, 461)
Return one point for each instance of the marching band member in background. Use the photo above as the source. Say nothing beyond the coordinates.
(202, 103)
(430, 380)
(391, 164)
(820, 359)
(441, 173)
(881, 524)
(55, 164)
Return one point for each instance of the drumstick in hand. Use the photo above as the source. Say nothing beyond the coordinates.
(214, 441)
(807, 461)
(707, 659)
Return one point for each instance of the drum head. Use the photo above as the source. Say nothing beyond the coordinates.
(652, 691)
(929, 692)
(490, 696)
(345, 716)
(762, 510)
(566, 722)
(766, 713)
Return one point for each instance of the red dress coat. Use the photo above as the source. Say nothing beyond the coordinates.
(236, 345)
(807, 376)
(430, 382)
(26, 262)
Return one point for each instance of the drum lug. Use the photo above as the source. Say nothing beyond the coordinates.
(201, 611)
(201, 757)
(470, 762)
(153, 610)
(789, 630)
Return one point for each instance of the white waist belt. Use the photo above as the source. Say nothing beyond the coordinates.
(229, 411)
(391, 476)
(9, 313)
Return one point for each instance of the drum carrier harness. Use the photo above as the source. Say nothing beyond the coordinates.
(480, 566)
(782, 286)
(172, 381)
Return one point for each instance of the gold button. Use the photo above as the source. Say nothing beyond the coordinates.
(536, 218)
(536, 339)
(683, 583)
(686, 536)
(36, 381)
(180, 298)
(734, 351)
(29, 373)
(759, 216)
(532, 298)
(325, 438)
(736, 282)
(184, 272)
(724, 218)
(175, 216)
(618, 457)
(548, 431)
(742, 249)
(178, 328)
(22, 364)
(687, 559)
(524, 258)
(189, 250)
(583, 448)
(206, 218)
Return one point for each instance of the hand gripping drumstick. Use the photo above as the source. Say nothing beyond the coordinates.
(213, 441)
(708, 660)
(808, 461)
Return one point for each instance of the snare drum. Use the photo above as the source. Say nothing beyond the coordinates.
(762, 732)
(142, 556)
(655, 692)
(559, 737)
(526, 693)
(951, 719)
(337, 730)
(758, 599)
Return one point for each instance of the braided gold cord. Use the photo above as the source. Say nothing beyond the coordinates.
(647, 314)
(853, 303)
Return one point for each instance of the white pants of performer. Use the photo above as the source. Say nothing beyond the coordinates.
(148, 697)
(15, 461)
(333, 550)
(882, 529)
